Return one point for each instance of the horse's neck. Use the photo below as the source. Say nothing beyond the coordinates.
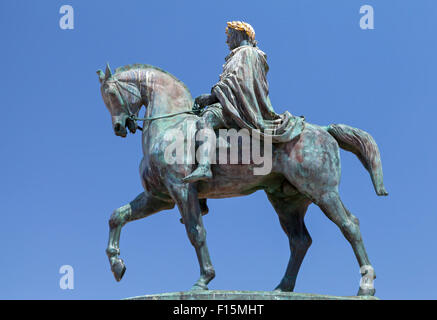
(164, 95)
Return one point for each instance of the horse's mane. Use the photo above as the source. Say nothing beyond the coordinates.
(148, 66)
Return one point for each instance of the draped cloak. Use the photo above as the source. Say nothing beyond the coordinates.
(243, 93)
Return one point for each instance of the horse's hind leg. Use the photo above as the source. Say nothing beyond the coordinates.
(291, 212)
(334, 209)
(142, 206)
(185, 196)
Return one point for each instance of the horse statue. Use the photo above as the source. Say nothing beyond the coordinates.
(305, 170)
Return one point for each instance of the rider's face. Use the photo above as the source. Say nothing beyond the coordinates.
(231, 39)
(228, 39)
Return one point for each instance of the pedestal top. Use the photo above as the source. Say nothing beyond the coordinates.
(244, 295)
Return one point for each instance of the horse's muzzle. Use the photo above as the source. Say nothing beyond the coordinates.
(120, 130)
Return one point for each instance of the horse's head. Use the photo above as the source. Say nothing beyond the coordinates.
(123, 100)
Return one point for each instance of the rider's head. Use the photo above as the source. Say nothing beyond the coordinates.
(237, 32)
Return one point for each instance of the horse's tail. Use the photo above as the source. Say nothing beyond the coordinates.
(364, 147)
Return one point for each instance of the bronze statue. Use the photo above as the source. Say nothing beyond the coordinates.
(305, 157)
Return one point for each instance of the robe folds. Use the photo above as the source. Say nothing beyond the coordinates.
(243, 93)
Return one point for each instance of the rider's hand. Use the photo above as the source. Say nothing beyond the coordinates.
(203, 100)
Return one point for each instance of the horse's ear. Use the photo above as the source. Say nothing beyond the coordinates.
(101, 75)
(108, 72)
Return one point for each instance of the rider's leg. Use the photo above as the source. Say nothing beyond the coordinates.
(210, 120)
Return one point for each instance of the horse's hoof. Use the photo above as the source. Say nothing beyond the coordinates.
(281, 289)
(118, 269)
(366, 292)
(286, 285)
(382, 192)
(199, 287)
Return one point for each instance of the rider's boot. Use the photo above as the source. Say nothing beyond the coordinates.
(203, 170)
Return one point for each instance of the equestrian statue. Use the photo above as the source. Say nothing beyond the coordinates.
(305, 158)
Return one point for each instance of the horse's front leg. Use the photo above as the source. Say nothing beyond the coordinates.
(185, 196)
(142, 206)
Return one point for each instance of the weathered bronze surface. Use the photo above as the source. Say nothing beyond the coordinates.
(305, 165)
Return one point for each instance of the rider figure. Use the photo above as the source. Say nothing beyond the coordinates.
(240, 98)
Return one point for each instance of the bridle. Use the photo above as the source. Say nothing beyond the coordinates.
(126, 106)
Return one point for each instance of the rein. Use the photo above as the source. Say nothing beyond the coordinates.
(163, 116)
(132, 116)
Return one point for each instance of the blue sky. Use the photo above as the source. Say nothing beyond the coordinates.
(64, 171)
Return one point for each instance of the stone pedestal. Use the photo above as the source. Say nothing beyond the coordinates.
(244, 295)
